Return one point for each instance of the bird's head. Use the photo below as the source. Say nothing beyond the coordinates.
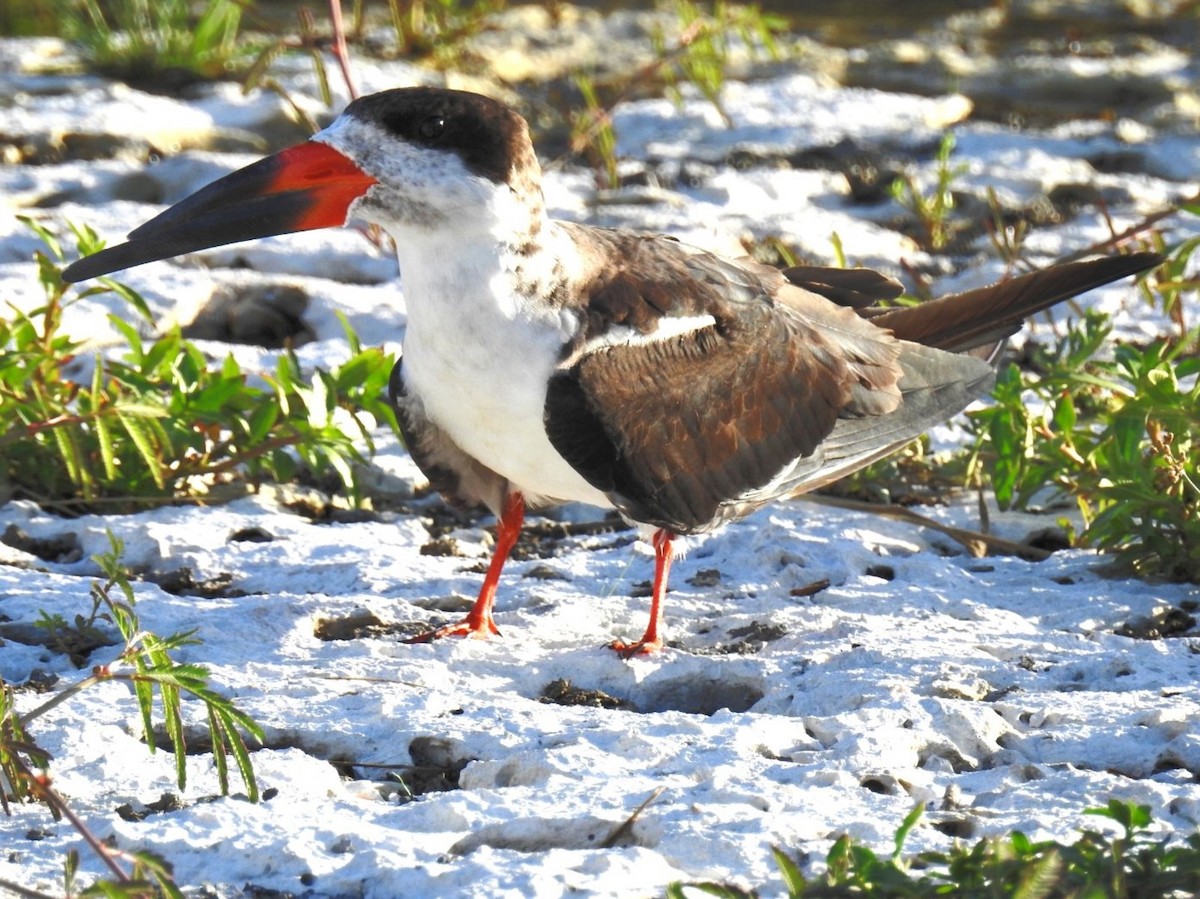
(425, 159)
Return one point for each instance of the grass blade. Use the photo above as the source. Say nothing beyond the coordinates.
(142, 440)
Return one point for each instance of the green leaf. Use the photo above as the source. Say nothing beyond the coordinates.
(906, 826)
(1039, 880)
(133, 340)
(793, 879)
(220, 756)
(344, 470)
(162, 352)
(349, 333)
(104, 434)
(262, 419)
(216, 396)
(173, 719)
(130, 296)
(1064, 413)
(133, 409)
(216, 26)
(71, 458)
(1131, 816)
(145, 699)
(837, 861)
(223, 725)
(143, 440)
(45, 235)
(1020, 843)
(106, 445)
(1127, 431)
(87, 241)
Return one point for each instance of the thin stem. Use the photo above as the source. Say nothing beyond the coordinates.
(51, 798)
(340, 51)
(9, 886)
(1132, 231)
(61, 697)
(968, 538)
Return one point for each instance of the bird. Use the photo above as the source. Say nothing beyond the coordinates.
(547, 361)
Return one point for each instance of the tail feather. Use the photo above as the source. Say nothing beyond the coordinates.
(980, 319)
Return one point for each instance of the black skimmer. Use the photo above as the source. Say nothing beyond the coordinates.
(546, 361)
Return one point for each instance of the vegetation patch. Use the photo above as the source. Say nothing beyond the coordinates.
(1134, 863)
(146, 662)
(161, 422)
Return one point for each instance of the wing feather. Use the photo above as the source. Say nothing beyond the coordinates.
(674, 430)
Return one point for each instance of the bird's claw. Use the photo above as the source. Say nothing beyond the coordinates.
(641, 647)
(474, 630)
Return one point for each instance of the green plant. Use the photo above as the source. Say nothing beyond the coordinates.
(26, 19)
(146, 664)
(706, 43)
(593, 134)
(1118, 434)
(1114, 430)
(140, 39)
(1007, 238)
(932, 210)
(1171, 281)
(1130, 865)
(439, 27)
(315, 44)
(700, 56)
(162, 422)
(19, 755)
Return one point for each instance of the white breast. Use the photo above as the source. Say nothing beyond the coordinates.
(480, 359)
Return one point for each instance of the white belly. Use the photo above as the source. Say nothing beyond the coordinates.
(482, 376)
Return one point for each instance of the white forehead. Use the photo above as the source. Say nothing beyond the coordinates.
(388, 158)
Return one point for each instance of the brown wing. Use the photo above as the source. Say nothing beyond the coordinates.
(690, 433)
(461, 479)
(675, 430)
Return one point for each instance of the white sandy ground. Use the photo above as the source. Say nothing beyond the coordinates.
(994, 690)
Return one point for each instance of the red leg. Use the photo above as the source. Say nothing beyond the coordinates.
(652, 640)
(479, 623)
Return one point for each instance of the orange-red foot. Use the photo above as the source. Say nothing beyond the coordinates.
(652, 640)
(641, 647)
(479, 625)
(465, 628)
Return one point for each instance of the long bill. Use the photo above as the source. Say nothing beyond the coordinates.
(302, 188)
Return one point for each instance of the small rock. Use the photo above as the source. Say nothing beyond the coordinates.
(545, 573)
(563, 692)
(975, 688)
(442, 546)
(61, 548)
(1171, 622)
(266, 315)
(708, 577)
(252, 534)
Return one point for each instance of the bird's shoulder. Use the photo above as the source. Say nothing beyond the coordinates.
(642, 281)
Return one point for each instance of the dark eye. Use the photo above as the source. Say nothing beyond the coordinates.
(432, 127)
